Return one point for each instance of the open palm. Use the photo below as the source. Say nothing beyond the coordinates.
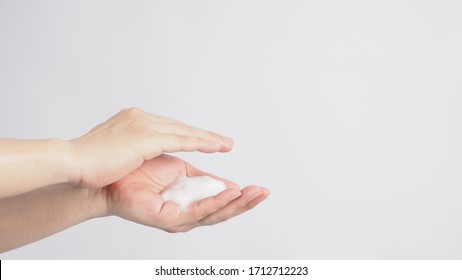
(136, 197)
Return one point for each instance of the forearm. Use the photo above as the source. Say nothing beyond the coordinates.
(29, 164)
(31, 216)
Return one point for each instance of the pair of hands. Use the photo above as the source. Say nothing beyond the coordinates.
(123, 159)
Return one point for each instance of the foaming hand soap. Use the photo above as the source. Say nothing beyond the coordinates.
(185, 190)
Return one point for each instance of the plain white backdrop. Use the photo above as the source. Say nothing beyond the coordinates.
(349, 111)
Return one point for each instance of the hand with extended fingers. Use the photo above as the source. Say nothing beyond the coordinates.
(118, 168)
(121, 144)
(136, 197)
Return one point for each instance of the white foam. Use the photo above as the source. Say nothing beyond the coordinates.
(186, 190)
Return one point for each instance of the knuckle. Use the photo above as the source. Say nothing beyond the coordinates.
(133, 112)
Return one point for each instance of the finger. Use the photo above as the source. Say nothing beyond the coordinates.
(158, 124)
(205, 207)
(180, 143)
(234, 208)
(161, 119)
(254, 202)
(183, 129)
(251, 197)
(192, 171)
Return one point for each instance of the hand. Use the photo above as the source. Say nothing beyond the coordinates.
(115, 148)
(137, 197)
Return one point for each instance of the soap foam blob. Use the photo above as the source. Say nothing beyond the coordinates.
(185, 190)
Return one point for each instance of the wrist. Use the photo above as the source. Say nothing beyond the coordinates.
(61, 160)
(96, 203)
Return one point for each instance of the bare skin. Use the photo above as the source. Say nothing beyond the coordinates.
(141, 190)
(35, 215)
(118, 168)
(104, 155)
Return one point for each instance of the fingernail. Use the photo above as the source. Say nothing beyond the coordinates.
(227, 140)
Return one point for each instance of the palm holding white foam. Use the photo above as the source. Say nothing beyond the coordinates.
(185, 190)
(137, 197)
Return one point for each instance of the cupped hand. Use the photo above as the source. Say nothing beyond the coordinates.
(118, 146)
(137, 197)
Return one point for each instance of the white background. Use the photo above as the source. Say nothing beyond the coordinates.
(317, 269)
(349, 111)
